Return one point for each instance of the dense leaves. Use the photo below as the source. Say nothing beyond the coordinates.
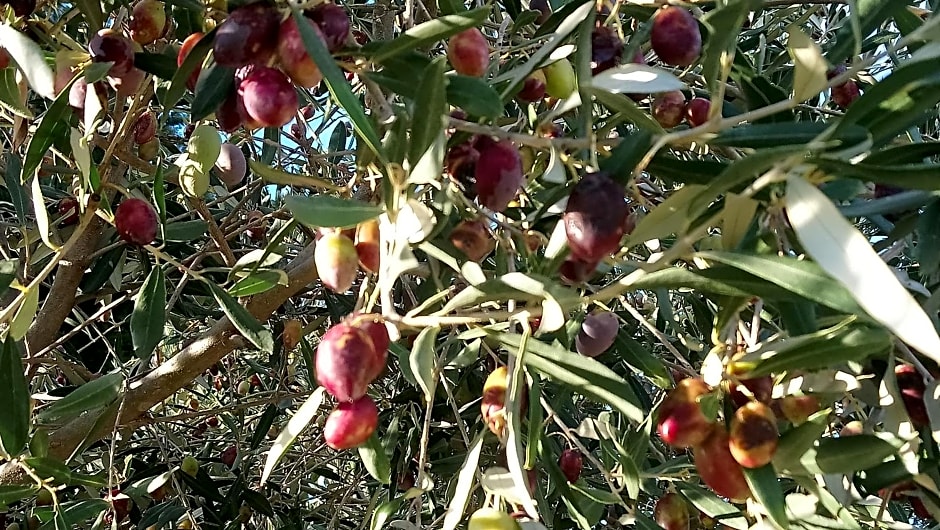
(550, 264)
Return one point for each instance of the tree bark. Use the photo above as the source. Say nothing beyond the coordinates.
(58, 304)
(177, 372)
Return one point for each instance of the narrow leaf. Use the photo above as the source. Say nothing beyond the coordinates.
(428, 111)
(375, 460)
(636, 79)
(295, 426)
(29, 57)
(24, 316)
(336, 82)
(848, 257)
(92, 395)
(149, 316)
(243, 321)
(809, 65)
(422, 360)
(14, 394)
(455, 510)
(767, 491)
(329, 211)
(427, 33)
(583, 374)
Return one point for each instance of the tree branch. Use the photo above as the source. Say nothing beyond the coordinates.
(177, 372)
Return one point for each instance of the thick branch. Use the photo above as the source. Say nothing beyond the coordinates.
(178, 371)
(58, 304)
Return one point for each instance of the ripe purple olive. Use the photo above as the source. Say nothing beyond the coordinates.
(595, 218)
(231, 165)
(345, 362)
(469, 53)
(574, 271)
(293, 56)
(606, 49)
(268, 97)
(597, 334)
(671, 512)
(571, 463)
(676, 37)
(696, 112)
(669, 108)
(108, 46)
(333, 21)
(248, 36)
(351, 423)
(912, 387)
(136, 221)
(533, 88)
(681, 422)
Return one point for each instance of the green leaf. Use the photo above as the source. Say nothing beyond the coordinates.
(52, 126)
(582, 374)
(767, 491)
(375, 460)
(243, 321)
(14, 394)
(329, 211)
(337, 84)
(193, 61)
(427, 117)
(24, 316)
(802, 277)
(51, 468)
(185, 230)
(669, 217)
(93, 395)
(717, 279)
(11, 494)
(848, 454)
(724, 28)
(295, 426)
(474, 95)
(641, 360)
(896, 102)
(823, 349)
(867, 15)
(797, 441)
(712, 505)
(276, 176)
(149, 316)
(10, 97)
(159, 64)
(72, 514)
(426, 34)
(18, 195)
(7, 274)
(846, 254)
(922, 176)
(31, 61)
(628, 110)
(635, 78)
(383, 513)
(258, 282)
(518, 74)
(422, 360)
(760, 135)
(214, 84)
(458, 504)
(809, 78)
